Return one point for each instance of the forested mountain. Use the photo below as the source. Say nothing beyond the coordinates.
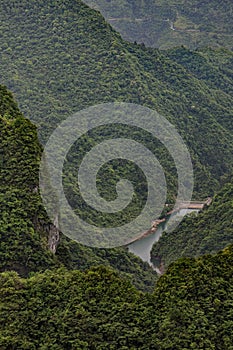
(27, 237)
(60, 57)
(63, 308)
(190, 308)
(170, 23)
(207, 232)
(23, 244)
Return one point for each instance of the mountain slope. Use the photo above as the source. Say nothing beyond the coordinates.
(63, 307)
(169, 23)
(23, 244)
(60, 58)
(191, 308)
(208, 232)
(27, 236)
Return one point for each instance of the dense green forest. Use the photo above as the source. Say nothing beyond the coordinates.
(60, 307)
(58, 57)
(170, 23)
(61, 57)
(190, 308)
(23, 247)
(208, 232)
(26, 232)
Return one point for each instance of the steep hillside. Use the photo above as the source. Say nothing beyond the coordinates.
(170, 23)
(27, 237)
(23, 242)
(207, 232)
(59, 58)
(194, 299)
(215, 68)
(191, 308)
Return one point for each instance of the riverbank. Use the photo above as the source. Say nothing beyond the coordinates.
(151, 230)
(142, 244)
(192, 205)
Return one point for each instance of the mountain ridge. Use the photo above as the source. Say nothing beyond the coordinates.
(167, 23)
(55, 70)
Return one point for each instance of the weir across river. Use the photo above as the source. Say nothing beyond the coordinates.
(199, 205)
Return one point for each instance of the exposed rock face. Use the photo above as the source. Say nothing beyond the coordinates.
(51, 230)
(53, 235)
(53, 238)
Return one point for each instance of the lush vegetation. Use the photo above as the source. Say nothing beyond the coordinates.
(170, 23)
(24, 225)
(59, 58)
(207, 232)
(190, 308)
(22, 245)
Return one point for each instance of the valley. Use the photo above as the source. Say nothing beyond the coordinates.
(171, 288)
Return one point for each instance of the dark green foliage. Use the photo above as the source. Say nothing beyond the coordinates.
(23, 246)
(81, 63)
(76, 256)
(195, 23)
(24, 225)
(69, 310)
(194, 298)
(65, 57)
(61, 57)
(191, 308)
(207, 232)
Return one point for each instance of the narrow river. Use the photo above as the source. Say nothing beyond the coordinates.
(142, 247)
